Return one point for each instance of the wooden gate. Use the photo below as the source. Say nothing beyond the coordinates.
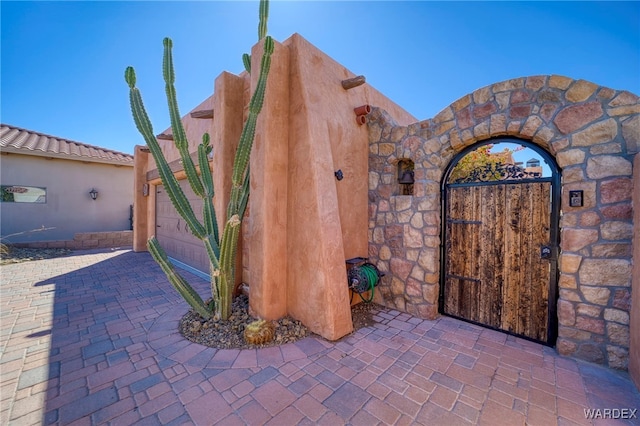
(499, 257)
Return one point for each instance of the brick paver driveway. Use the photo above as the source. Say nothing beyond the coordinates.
(91, 339)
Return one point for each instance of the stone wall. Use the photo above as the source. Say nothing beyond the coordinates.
(592, 132)
(87, 240)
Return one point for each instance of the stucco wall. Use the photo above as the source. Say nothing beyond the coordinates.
(591, 131)
(301, 224)
(69, 208)
(634, 349)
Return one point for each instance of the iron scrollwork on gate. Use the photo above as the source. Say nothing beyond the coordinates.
(492, 173)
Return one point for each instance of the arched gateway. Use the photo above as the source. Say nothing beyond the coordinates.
(591, 132)
(500, 240)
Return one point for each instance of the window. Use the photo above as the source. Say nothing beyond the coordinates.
(23, 194)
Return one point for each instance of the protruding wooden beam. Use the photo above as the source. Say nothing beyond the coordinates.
(350, 83)
(203, 113)
(165, 136)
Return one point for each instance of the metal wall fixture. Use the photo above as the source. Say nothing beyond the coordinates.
(405, 172)
(94, 194)
(339, 174)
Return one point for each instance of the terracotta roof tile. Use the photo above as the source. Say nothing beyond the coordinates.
(27, 142)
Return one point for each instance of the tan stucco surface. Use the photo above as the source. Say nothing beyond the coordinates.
(69, 208)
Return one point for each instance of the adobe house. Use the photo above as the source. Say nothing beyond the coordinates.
(303, 222)
(47, 182)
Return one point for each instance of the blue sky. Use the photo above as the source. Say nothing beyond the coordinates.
(62, 63)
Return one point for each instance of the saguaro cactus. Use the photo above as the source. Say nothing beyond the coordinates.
(222, 251)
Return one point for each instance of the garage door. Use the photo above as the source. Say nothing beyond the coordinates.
(173, 233)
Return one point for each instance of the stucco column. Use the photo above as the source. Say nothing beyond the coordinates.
(268, 199)
(634, 325)
(228, 106)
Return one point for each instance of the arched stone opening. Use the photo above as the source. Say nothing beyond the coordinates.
(500, 235)
(593, 133)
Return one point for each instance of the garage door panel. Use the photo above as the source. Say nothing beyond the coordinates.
(174, 234)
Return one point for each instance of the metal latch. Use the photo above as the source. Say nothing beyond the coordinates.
(545, 252)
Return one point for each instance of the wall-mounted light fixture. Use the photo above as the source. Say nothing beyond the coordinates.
(405, 172)
(94, 194)
(145, 189)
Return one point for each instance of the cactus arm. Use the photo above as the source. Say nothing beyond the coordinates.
(246, 60)
(181, 285)
(208, 211)
(255, 106)
(264, 16)
(141, 119)
(179, 134)
(226, 280)
(244, 199)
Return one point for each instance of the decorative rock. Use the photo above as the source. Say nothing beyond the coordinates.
(481, 96)
(412, 237)
(616, 190)
(617, 357)
(397, 286)
(590, 219)
(604, 166)
(618, 334)
(430, 293)
(482, 111)
(565, 347)
(567, 281)
(622, 300)
(624, 110)
(612, 250)
(601, 132)
(572, 333)
(401, 268)
(588, 310)
(616, 231)
(580, 91)
(413, 288)
(597, 295)
(605, 272)
(590, 324)
(384, 253)
(428, 260)
(417, 273)
(535, 83)
(616, 315)
(531, 126)
(631, 133)
(570, 295)
(416, 221)
(572, 174)
(508, 85)
(566, 313)
(573, 117)
(624, 98)
(590, 352)
(559, 82)
(609, 148)
(575, 239)
(481, 131)
(374, 180)
(570, 157)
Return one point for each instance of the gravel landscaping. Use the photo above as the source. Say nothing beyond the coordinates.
(229, 334)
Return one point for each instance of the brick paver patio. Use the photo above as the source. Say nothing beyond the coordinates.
(91, 339)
